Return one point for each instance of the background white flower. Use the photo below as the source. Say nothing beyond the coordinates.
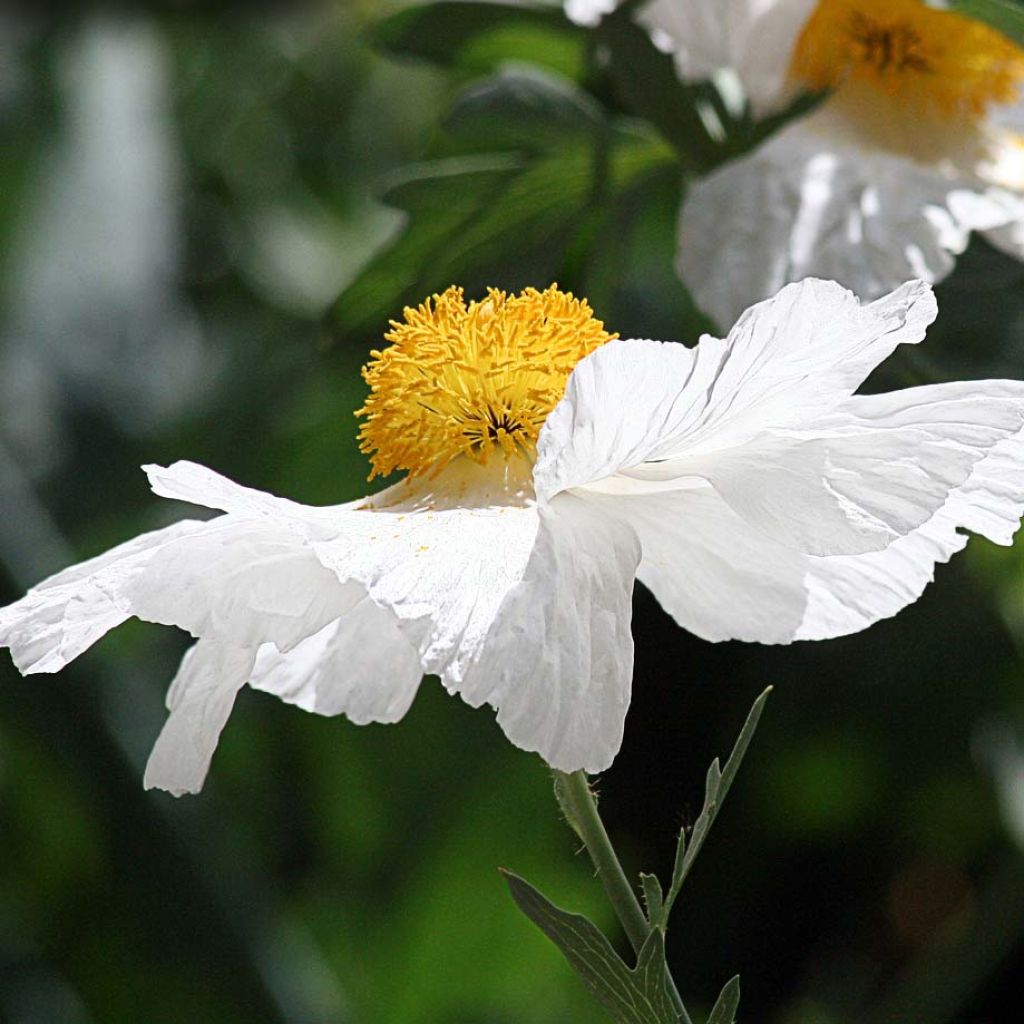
(741, 480)
(917, 144)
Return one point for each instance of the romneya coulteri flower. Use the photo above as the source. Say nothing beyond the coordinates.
(917, 143)
(548, 464)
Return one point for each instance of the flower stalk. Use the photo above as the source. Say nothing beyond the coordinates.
(586, 821)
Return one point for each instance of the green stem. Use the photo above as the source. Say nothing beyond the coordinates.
(621, 894)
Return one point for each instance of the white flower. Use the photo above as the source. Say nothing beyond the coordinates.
(741, 480)
(917, 144)
(589, 12)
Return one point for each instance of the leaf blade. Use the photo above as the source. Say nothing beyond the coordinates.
(716, 788)
(637, 996)
(724, 1011)
(1003, 15)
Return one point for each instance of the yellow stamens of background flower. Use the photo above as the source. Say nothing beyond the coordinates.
(936, 61)
(472, 379)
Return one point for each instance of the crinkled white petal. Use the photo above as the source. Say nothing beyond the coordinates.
(640, 406)
(723, 578)
(716, 575)
(242, 580)
(522, 609)
(558, 661)
(755, 38)
(440, 555)
(66, 614)
(871, 472)
(200, 700)
(200, 485)
(360, 666)
(811, 201)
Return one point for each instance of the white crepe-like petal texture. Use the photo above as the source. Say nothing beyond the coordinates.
(753, 38)
(843, 193)
(813, 201)
(742, 480)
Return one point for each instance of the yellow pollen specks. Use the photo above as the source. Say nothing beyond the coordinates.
(472, 379)
(932, 61)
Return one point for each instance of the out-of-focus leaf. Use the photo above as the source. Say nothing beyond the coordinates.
(440, 199)
(480, 218)
(1004, 15)
(479, 36)
(716, 789)
(724, 1011)
(524, 108)
(637, 996)
(647, 81)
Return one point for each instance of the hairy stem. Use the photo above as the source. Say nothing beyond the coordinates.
(621, 894)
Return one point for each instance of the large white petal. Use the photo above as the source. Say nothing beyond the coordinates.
(869, 473)
(786, 362)
(200, 485)
(716, 575)
(245, 578)
(812, 201)
(558, 661)
(360, 665)
(755, 38)
(439, 554)
(64, 615)
(723, 579)
(200, 700)
(242, 580)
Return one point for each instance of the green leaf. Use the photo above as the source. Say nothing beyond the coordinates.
(653, 898)
(524, 108)
(479, 36)
(716, 787)
(441, 199)
(647, 81)
(477, 217)
(637, 996)
(1004, 15)
(724, 1011)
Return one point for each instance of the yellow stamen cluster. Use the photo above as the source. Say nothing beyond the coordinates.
(473, 378)
(933, 61)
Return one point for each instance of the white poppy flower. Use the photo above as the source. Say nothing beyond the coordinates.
(917, 144)
(548, 465)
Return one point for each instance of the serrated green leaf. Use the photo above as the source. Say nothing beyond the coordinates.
(653, 898)
(479, 36)
(1004, 15)
(637, 996)
(728, 1002)
(716, 787)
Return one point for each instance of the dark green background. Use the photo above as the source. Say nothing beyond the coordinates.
(194, 262)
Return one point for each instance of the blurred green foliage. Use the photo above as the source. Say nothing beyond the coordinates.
(207, 215)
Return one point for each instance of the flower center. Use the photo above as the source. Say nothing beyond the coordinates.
(933, 61)
(472, 379)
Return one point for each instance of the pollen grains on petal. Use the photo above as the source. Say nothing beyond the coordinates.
(929, 61)
(474, 379)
